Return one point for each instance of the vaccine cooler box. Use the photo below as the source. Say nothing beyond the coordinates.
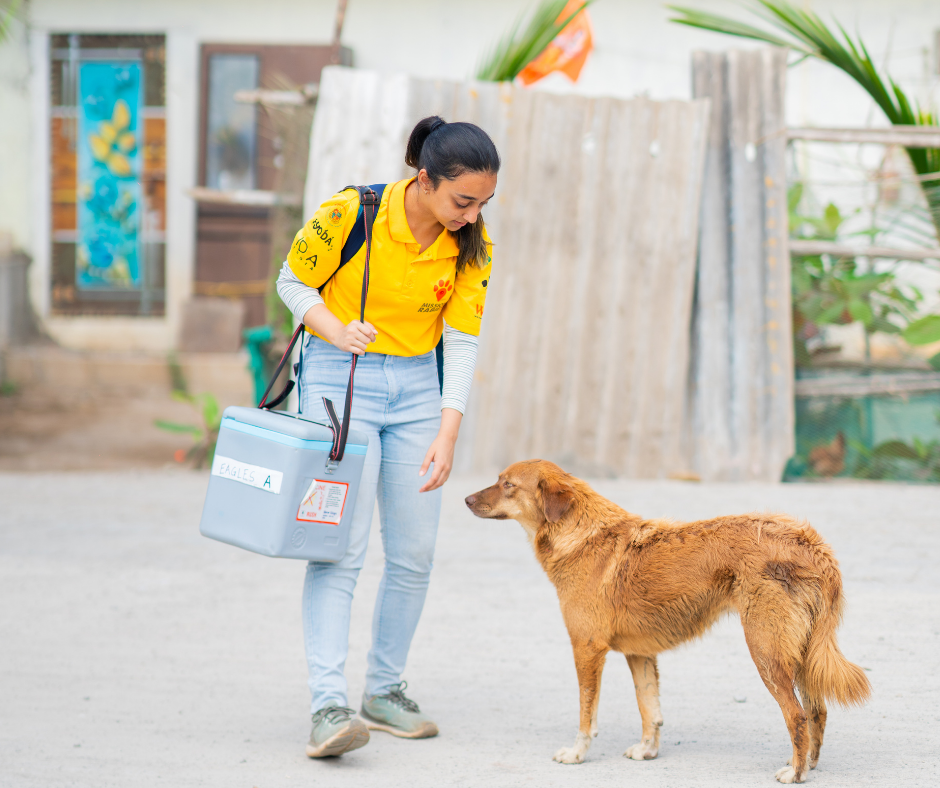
(275, 491)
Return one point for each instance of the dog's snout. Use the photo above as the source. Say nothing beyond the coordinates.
(470, 499)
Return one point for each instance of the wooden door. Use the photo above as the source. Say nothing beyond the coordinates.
(239, 150)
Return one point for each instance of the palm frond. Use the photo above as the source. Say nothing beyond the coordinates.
(732, 27)
(7, 15)
(804, 32)
(523, 44)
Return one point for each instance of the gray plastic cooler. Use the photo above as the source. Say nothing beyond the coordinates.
(273, 489)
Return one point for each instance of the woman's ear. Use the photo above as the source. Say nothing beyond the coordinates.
(557, 498)
(424, 182)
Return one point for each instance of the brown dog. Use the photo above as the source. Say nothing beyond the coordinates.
(644, 586)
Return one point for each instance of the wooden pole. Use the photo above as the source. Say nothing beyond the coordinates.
(338, 31)
(908, 136)
(846, 250)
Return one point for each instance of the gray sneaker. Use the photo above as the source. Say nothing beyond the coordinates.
(397, 714)
(336, 730)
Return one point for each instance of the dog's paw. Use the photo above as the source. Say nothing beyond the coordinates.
(575, 753)
(787, 775)
(569, 755)
(645, 750)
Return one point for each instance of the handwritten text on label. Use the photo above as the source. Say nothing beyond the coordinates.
(252, 475)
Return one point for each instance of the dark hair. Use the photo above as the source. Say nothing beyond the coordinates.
(448, 150)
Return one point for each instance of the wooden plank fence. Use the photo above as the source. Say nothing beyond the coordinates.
(584, 355)
(741, 411)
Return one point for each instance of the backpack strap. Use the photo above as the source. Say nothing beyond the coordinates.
(358, 235)
(370, 197)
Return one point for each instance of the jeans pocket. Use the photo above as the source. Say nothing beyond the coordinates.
(424, 358)
(323, 355)
(318, 362)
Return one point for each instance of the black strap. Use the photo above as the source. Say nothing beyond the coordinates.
(358, 235)
(264, 404)
(369, 204)
(370, 197)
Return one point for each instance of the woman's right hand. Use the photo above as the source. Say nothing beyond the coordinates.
(354, 337)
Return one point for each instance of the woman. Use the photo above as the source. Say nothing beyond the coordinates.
(429, 268)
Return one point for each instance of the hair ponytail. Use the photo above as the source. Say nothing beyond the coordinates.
(448, 150)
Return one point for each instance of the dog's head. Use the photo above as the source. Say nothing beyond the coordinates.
(532, 492)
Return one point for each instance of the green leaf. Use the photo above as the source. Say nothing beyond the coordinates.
(934, 362)
(884, 326)
(177, 376)
(515, 50)
(172, 426)
(723, 24)
(861, 311)
(832, 218)
(210, 411)
(896, 450)
(7, 15)
(794, 196)
(860, 286)
(831, 314)
(923, 331)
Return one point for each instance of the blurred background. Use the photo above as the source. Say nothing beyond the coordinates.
(766, 275)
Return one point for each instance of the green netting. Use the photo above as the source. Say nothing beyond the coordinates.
(889, 437)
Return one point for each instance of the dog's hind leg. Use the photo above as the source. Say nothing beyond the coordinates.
(589, 662)
(597, 697)
(778, 678)
(646, 681)
(816, 713)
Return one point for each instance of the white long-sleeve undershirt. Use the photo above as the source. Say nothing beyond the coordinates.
(460, 348)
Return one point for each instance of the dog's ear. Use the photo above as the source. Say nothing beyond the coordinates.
(557, 498)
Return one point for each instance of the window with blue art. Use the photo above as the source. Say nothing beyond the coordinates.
(108, 174)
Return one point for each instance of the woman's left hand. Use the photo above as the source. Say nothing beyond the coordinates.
(441, 452)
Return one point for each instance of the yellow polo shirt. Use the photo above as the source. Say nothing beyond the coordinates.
(411, 293)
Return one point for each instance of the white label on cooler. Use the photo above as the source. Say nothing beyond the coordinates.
(323, 502)
(252, 475)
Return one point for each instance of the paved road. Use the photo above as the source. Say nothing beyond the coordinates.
(133, 652)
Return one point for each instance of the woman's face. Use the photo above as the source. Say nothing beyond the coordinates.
(457, 202)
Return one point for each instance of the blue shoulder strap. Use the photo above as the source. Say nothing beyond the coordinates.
(358, 235)
(354, 243)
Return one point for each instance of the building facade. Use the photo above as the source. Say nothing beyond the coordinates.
(111, 114)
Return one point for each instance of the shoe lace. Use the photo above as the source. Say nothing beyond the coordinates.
(333, 714)
(397, 696)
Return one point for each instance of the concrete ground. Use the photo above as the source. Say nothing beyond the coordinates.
(134, 652)
(64, 410)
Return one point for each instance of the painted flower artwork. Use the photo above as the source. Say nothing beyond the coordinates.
(108, 244)
(112, 143)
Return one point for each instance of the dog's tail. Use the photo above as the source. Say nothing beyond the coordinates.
(826, 673)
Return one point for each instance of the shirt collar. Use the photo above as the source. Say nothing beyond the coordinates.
(444, 246)
(397, 221)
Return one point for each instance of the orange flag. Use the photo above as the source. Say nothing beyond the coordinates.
(568, 50)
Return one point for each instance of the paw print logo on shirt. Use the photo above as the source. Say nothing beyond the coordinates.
(442, 288)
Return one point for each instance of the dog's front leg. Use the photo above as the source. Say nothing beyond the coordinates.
(589, 662)
(646, 681)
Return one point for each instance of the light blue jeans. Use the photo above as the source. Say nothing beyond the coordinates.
(397, 403)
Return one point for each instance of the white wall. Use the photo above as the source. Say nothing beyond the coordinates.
(637, 52)
(14, 137)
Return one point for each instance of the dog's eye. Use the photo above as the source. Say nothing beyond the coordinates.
(507, 485)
